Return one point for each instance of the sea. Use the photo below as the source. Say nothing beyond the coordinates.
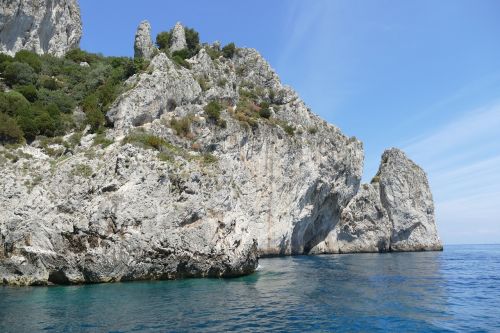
(457, 290)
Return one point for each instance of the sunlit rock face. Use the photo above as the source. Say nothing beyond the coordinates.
(204, 193)
(143, 45)
(43, 26)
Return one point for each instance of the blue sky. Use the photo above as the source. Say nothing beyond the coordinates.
(421, 75)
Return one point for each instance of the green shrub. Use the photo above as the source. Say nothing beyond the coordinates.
(375, 179)
(19, 73)
(265, 113)
(29, 92)
(12, 103)
(82, 170)
(30, 58)
(312, 130)
(213, 110)
(146, 140)
(290, 130)
(64, 102)
(9, 130)
(213, 53)
(75, 139)
(94, 116)
(100, 139)
(79, 56)
(209, 158)
(229, 50)
(4, 61)
(40, 120)
(163, 40)
(48, 82)
(182, 126)
(192, 41)
(204, 84)
(222, 82)
(181, 61)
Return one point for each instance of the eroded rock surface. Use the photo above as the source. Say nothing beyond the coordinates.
(182, 191)
(42, 26)
(178, 38)
(394, 213)
(407, 198)
(143, 45)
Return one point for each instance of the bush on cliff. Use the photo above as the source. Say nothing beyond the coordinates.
(9, 130)
(229, 50)
(47, 89)
(163, 40)
(19, 73)
(213, 111)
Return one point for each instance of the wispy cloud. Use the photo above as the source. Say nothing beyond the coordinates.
(462, 159)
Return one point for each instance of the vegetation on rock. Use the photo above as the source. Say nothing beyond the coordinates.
(43, 91)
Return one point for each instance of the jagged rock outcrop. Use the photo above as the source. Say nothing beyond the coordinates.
(160, 92)
(143, 45)
(183, 191)
(407, 198)
(42, 26)
(394, 213)
(178, 38)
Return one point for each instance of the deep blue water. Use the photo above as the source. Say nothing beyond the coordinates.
(454, 290)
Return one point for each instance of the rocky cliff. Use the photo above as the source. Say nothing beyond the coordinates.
(42, 26)
(208, 167)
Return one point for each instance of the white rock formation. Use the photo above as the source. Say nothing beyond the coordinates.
(42, 26)
(207, 200)
(394, 213)
(364, 225)
(178, 38)
(143, 45)
(406, 195)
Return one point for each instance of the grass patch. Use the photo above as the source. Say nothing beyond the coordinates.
(100, 139)
(82, 170)
(182, 126)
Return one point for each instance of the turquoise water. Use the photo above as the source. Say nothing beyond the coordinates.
(454, 290)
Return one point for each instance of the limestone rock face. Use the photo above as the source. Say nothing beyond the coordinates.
(42, 26)
(164, 89)
(178, 38)
(407, 198)
(183, 191)
(122, 214)
(143, 45)
(364, 225)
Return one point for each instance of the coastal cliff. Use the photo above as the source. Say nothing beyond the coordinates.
(208, 162)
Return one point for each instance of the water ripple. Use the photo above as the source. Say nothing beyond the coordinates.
(456, 290)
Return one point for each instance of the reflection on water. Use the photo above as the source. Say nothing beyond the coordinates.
(454, 290)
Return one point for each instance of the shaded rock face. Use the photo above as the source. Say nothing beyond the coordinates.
(143, 45)
(178, 38)
(364, 225)
(43, 26)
